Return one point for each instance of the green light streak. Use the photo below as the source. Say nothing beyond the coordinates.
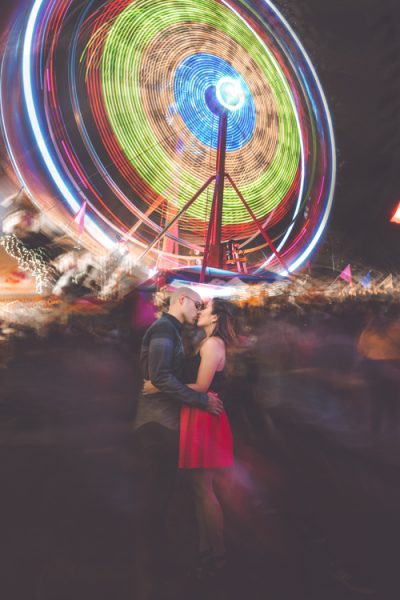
(121, 64)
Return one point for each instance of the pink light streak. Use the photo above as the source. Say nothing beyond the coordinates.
(73, 163)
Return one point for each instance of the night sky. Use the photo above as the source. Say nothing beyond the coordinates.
(355, 47)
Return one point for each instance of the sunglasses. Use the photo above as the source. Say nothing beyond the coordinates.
(198, 305)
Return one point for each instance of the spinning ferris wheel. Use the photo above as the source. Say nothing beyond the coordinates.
(178, 124)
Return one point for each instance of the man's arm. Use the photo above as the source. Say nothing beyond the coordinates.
(160, 359)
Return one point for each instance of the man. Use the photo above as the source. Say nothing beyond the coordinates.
(161, 360)
(157, 428)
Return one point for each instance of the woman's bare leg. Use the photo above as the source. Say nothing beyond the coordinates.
(208, 512)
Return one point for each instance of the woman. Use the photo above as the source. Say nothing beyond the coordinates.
(205, 439)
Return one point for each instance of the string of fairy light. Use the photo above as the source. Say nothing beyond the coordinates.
(31, 261)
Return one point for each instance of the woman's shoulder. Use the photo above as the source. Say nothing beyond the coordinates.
(212, 344)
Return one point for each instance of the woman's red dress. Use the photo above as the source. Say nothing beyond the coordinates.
(205, 440)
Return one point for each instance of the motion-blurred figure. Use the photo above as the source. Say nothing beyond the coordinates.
(379, 349)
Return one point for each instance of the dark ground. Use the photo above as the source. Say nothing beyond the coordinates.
(311, 505)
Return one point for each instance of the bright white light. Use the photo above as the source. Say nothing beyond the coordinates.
(396, 216)
(28, 52)
(295, 265)
(207, 291)
(301, 259)
(230, 93)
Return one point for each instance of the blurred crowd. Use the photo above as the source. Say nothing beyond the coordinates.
(314, 384)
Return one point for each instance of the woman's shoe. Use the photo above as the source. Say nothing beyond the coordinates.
(201, 566)
(217, 565)
(208, 566)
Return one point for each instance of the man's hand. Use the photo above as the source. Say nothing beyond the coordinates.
(149, 388)
(215, 406)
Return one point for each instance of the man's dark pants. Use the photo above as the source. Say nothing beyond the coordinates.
(156, 453)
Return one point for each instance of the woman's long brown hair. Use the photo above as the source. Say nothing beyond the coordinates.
(225, 327)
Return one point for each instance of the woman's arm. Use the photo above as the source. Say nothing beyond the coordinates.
(212, 354)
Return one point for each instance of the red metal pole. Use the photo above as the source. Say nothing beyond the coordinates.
(261, 230)
(174, 220)
(213, 247)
